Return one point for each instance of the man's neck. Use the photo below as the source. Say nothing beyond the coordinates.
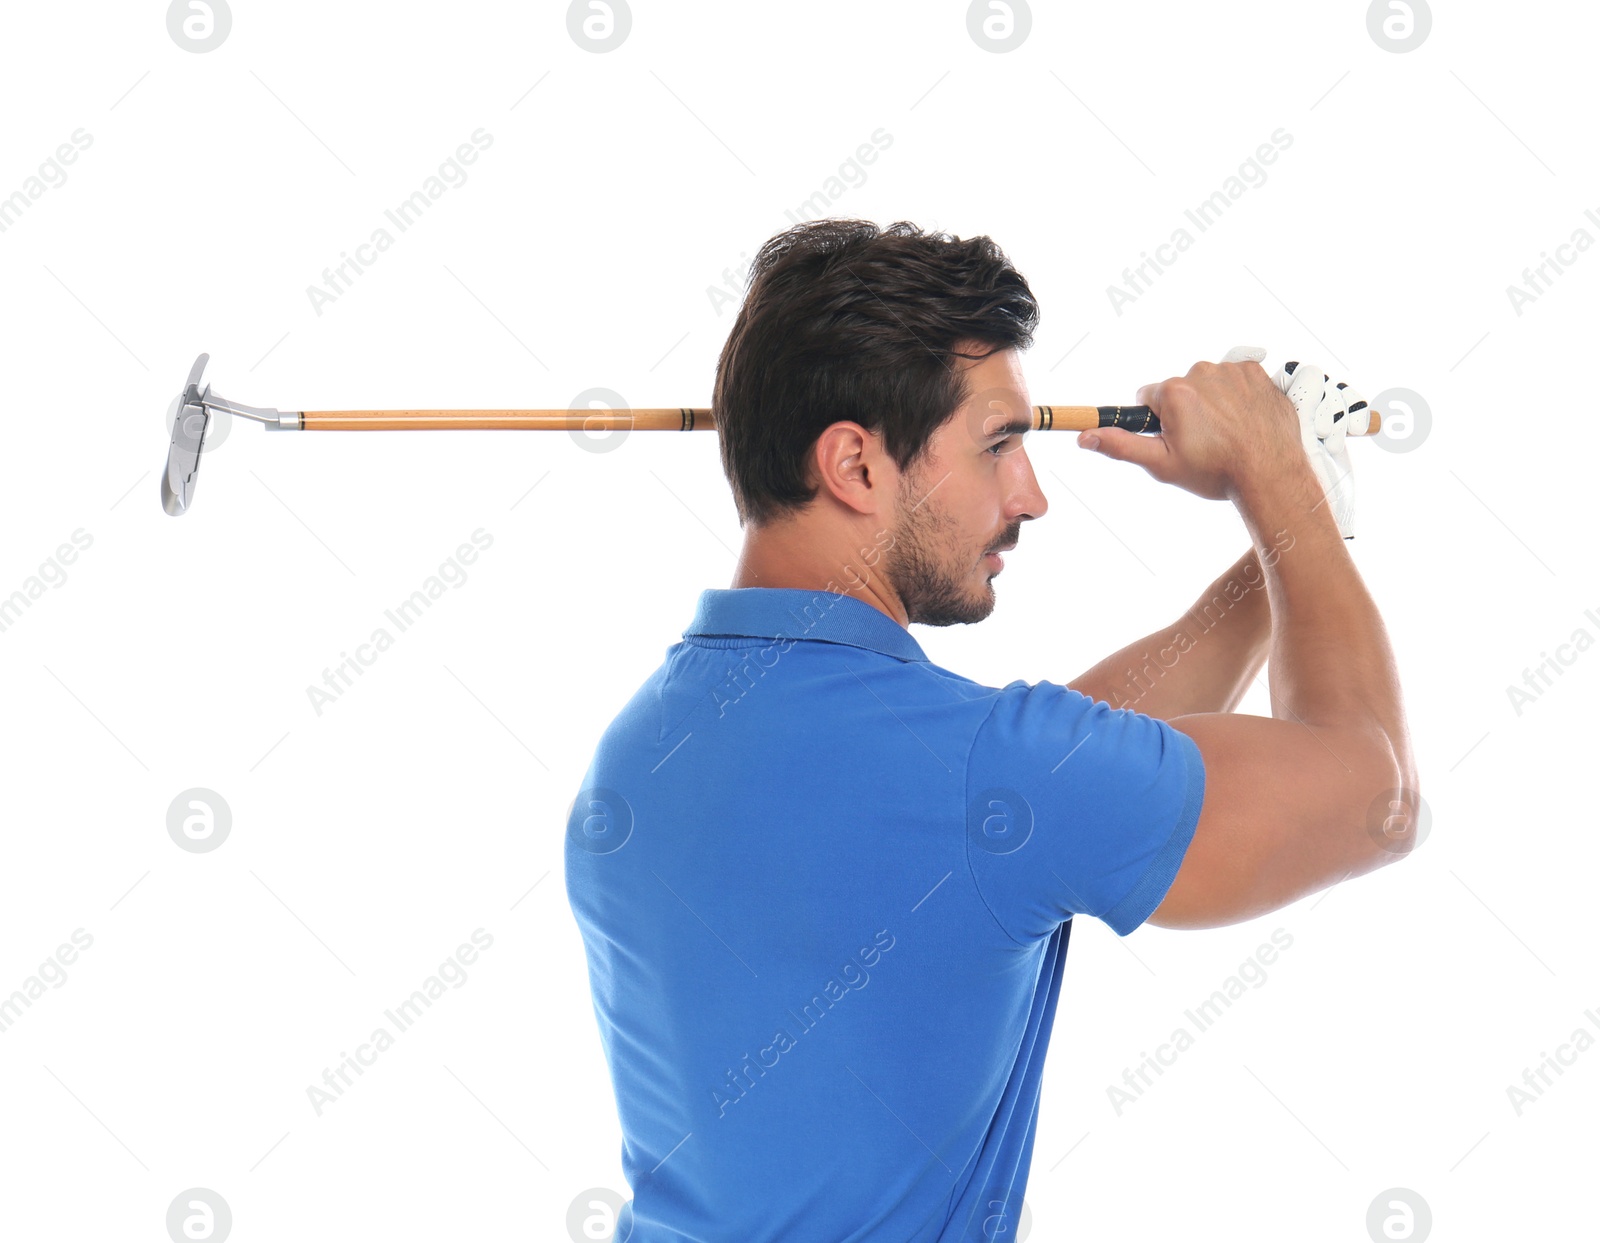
(790, 556)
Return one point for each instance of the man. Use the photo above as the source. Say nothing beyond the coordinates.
(826, 886)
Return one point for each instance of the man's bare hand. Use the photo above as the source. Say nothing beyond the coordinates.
(1223, 426)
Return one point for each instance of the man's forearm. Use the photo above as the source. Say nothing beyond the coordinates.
(1332, 664)
(1204, 662)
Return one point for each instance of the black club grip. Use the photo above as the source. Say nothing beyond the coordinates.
(1134, 418)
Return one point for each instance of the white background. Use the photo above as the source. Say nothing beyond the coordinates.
(430, 800)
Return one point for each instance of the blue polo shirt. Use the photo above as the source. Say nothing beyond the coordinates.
(825, 889)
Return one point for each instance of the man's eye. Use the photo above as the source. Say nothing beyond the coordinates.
(1000, 445)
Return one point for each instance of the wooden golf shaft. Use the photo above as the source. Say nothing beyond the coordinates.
(1045, 419)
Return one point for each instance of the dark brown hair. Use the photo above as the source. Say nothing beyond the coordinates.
(843, 320)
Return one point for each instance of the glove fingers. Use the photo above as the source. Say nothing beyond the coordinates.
(1302, 384)
(1332, 416)
(1245, 354)
(1358, 415)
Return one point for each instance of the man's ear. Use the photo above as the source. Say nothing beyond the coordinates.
(849, 478)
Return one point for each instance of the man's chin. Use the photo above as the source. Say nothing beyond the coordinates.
(969, 614)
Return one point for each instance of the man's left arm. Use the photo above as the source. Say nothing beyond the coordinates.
(1203, 663)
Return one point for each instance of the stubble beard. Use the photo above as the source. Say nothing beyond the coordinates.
(935, 578)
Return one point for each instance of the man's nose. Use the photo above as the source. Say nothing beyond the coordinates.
(1029, 500)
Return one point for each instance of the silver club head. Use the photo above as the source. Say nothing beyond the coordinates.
(190, 420)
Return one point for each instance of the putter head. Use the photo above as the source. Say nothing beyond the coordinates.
(188, 441)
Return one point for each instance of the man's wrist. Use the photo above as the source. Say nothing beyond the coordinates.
(1270, 499)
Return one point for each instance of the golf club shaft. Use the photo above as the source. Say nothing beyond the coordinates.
(683, 419)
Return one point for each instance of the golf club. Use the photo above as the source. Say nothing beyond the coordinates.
(192, 409)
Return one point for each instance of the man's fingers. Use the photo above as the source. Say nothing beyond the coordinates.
(1125, 446)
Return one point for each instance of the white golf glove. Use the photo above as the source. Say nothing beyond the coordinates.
(1329, 410)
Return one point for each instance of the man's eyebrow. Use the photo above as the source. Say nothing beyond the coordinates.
(1015, 425)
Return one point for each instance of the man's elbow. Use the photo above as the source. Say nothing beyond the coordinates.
(1396, 818)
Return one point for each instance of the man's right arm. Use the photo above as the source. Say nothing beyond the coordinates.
(1299, 801)
(1320, 790)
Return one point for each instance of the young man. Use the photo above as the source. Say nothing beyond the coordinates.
(826, 886)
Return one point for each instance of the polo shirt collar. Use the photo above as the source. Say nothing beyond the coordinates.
(801, 613)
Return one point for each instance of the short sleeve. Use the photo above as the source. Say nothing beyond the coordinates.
(1077, 808)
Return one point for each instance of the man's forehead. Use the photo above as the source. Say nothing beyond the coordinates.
(997, 397)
